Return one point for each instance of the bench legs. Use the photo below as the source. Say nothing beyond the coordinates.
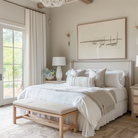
(14, 114)
(61, 124)
(75, 122)
(61, 127)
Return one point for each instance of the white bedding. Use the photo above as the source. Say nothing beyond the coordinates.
(121, 93)
(89, 112)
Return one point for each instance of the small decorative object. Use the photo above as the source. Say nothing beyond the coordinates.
(102, 40)
(136, 65)
(136, 26)
(59, 61)
(136, 34)
(68, 36)
(52, 3)
(49, 74)
(137, 61)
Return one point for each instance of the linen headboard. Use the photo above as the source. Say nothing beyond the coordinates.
(125, 65)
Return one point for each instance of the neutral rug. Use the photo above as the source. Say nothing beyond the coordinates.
(123, 127)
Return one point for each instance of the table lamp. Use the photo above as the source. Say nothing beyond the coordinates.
(59, 61)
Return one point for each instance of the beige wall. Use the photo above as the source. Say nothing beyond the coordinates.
(69, 16)
(16, 14)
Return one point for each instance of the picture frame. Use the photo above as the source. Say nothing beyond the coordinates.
(102, 40)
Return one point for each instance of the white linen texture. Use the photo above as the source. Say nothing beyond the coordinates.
(82, 81)
(34, 48)
(115, 78)
(75, 73)
(100, 77)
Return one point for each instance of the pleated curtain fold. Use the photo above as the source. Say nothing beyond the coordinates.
(35, 48)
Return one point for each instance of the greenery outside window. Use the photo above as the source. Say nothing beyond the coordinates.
(12, 63)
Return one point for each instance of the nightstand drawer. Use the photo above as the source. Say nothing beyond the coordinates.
(135, 92)
(135, 108)
(135, 99)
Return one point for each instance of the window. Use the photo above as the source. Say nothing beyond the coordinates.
(12, 62)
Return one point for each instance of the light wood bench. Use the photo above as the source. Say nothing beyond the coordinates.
(46, 108)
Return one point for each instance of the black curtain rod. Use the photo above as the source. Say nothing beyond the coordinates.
(23, 6)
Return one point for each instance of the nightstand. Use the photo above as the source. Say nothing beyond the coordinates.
(54, 82)
(134, 101)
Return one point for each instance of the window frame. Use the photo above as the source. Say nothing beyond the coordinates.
(23, 42)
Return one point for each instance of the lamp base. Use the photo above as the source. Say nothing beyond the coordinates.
(59, 79)
(59, 73)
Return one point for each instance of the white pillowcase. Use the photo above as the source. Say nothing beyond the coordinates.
(115, 78)
(99, 77)
(82, 81)
(75, 73)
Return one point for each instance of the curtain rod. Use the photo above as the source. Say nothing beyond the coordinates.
(23, 6)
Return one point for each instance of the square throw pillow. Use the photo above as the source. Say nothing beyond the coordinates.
(115, 78)
(100, 77)
(72, 72)
(82, 81)
(76, 73)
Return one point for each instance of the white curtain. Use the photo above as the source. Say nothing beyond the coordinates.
(35, 48)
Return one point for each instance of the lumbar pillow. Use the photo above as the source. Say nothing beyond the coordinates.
(99, 77)
(82, 81)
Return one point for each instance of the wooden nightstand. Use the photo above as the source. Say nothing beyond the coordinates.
(134, 101)
(55, 82)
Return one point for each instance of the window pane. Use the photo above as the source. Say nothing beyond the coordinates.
(7, 37)
(17, 56)
(17, 39)
(18, 72)
(8, 90)
(8, 55)
(18, 88)
(8, 72)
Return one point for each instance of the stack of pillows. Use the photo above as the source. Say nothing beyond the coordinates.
(96, 78)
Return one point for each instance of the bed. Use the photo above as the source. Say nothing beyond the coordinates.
(89, 115)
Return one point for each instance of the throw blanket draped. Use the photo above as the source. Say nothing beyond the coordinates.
(104, 99)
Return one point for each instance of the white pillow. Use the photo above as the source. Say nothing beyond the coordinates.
(79, 72)
(100, 77)
(82, 81)
(115, 78)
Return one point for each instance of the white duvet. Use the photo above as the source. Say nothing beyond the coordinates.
(64, 94)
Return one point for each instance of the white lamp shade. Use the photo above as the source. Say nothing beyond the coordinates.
(59, 61)
(137, 61)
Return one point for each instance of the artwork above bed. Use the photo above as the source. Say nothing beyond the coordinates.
(102, 40)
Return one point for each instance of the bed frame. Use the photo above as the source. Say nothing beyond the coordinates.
(125, 65)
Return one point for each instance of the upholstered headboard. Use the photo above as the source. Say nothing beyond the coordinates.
(125, 65)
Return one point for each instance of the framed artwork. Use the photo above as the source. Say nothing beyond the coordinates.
(102, 40)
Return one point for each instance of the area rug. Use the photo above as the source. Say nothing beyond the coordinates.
(123, 127)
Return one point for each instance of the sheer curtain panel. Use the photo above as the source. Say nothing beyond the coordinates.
(35, 48)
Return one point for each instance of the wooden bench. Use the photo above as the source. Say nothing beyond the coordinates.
(46, 108)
